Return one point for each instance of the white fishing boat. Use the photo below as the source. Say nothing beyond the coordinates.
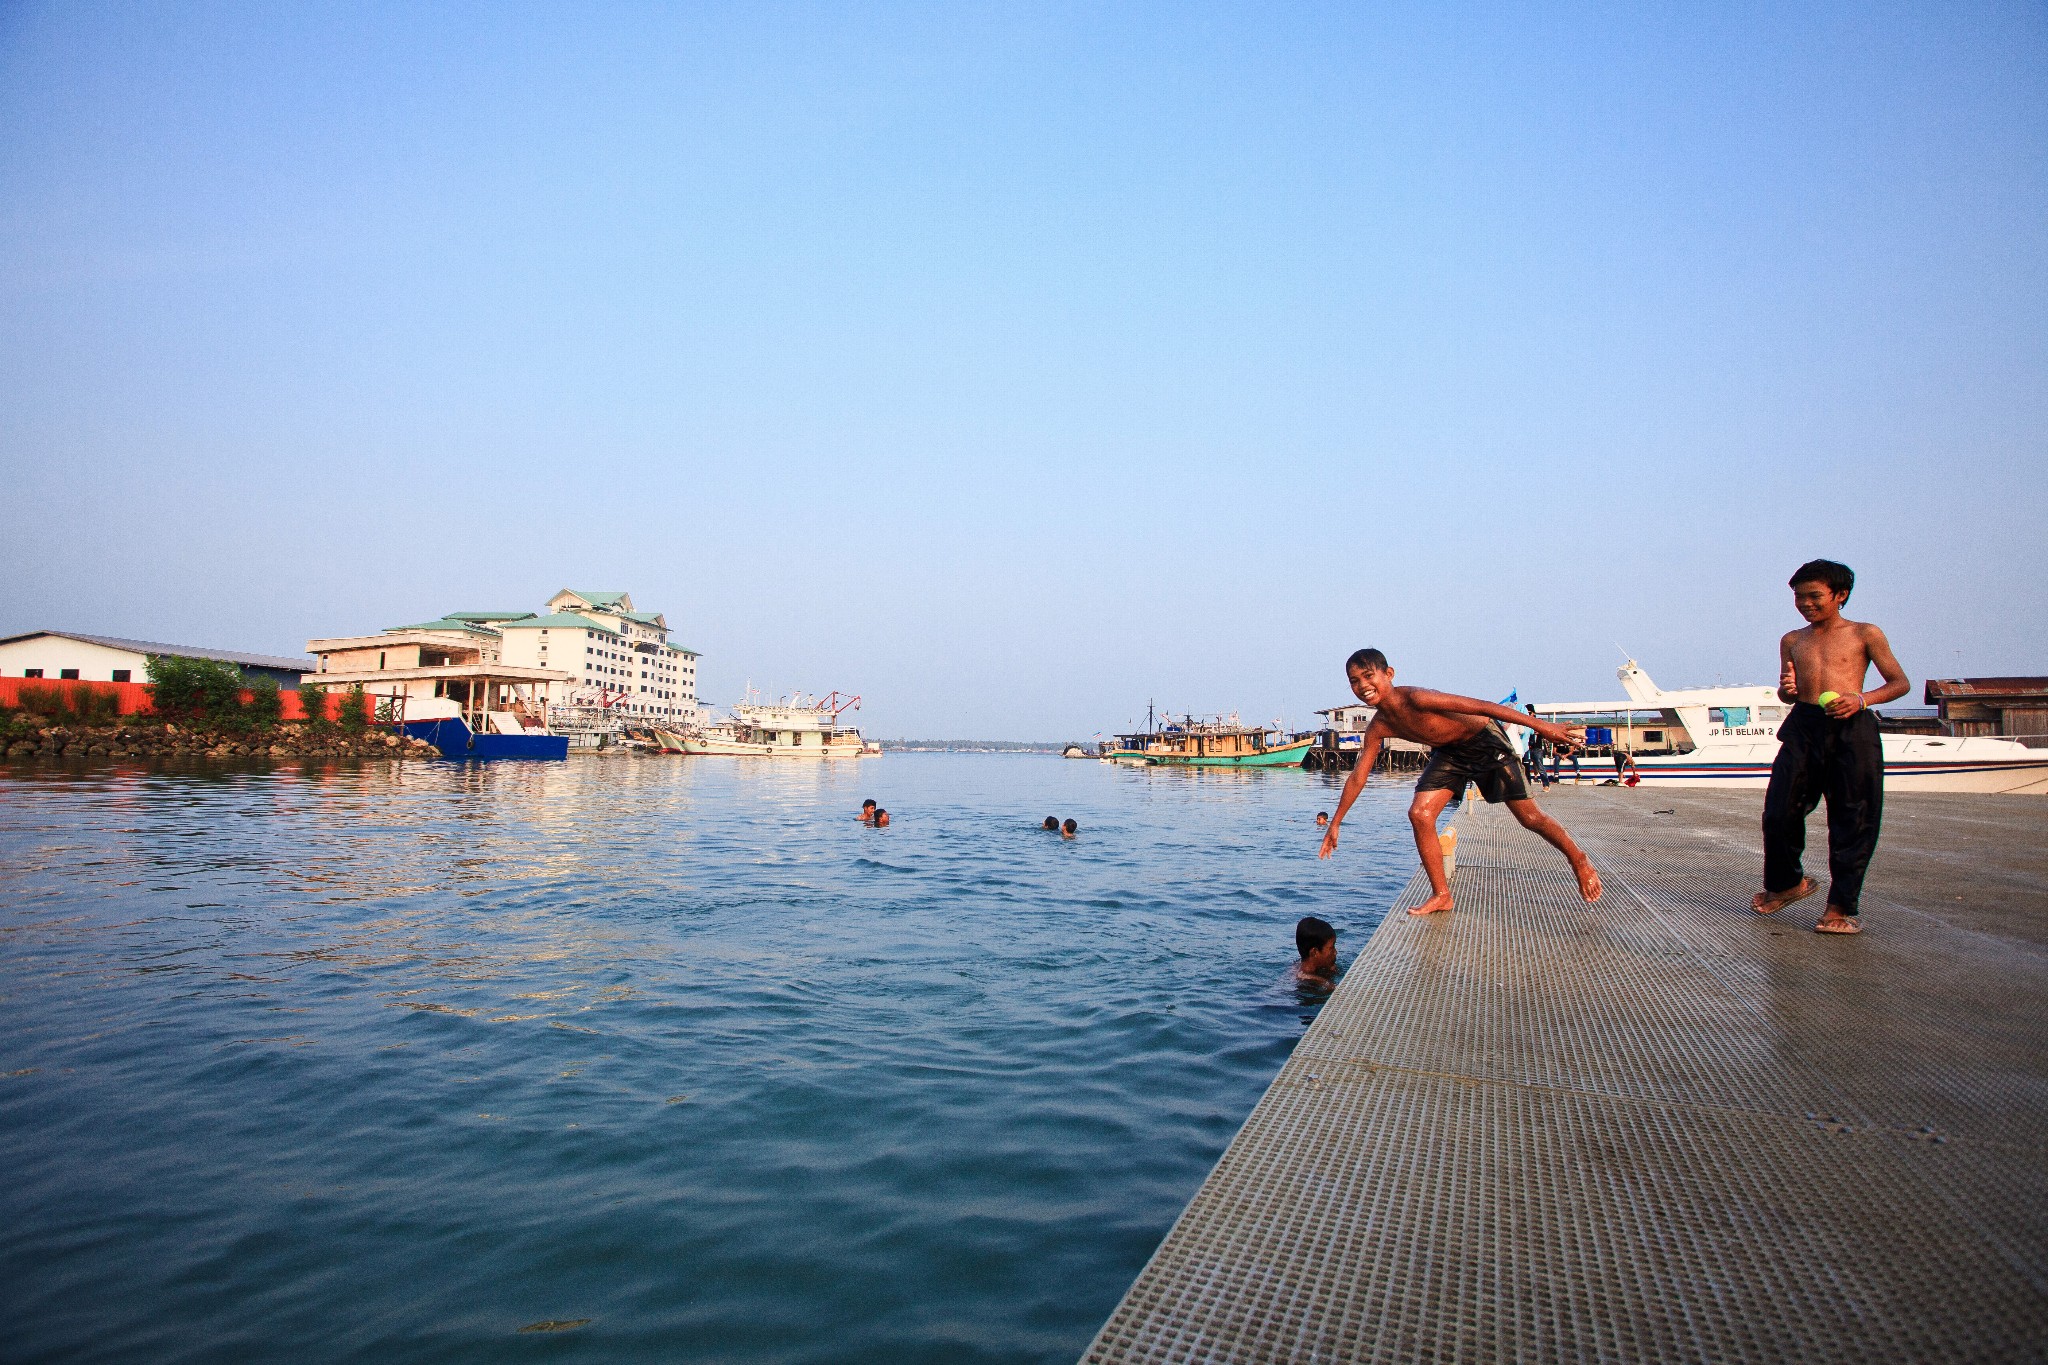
(795, 727)
(1728, 736)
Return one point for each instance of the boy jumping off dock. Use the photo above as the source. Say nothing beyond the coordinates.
(1829, 746)
(1466, 744)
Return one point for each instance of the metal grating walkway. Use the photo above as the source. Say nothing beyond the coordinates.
(1659, 1128)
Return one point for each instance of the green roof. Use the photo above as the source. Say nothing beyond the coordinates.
(488, 617)
(560, 618)
(645, 618)
(599, 599)
(446, 623)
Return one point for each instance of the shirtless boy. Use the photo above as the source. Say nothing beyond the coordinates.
(1828, 746)
(1465, 746)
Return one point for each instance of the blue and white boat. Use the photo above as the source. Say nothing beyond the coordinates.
(1730, 736)
(503, 734)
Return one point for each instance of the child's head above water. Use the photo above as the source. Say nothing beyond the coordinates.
(1067, 830)
(1322, 818)
(1052, 822)
(881, 817)
(1316, 941)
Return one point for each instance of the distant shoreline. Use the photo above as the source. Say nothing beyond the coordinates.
(971, 746)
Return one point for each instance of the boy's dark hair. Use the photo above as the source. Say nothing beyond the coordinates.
(1368, 659)
(869, 802)
(1312, 933)
(1837, 577)
(1051, 822)
(1070, 826)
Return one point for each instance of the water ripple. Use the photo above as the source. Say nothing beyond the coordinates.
(632, 1059)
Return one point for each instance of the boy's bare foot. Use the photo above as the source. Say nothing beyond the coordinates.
(1833, 921)
(1440, 901)
(1589, 880)
(1771, 902)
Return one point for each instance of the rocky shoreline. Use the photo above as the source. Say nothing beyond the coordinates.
(163, 740)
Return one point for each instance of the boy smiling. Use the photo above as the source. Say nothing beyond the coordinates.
(1466, 744)
(1829, 746)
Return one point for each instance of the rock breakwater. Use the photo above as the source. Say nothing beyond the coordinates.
(164, 740)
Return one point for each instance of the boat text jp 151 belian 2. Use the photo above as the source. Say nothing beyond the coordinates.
(1727, 737)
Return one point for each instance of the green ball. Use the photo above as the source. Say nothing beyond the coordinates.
(1829, 697)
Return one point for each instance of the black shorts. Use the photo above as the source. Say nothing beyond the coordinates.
(1486, 759)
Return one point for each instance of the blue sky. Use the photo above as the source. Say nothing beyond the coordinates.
(1012, 365)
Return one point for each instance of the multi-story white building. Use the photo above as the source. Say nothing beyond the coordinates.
(588, 649)
(607, 647)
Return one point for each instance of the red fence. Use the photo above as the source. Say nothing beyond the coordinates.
(133, 699)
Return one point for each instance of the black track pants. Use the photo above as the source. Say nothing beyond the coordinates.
(1842, 760)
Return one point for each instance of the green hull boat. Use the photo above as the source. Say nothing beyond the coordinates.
(1285, 756)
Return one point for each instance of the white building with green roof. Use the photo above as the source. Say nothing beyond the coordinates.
(587, 649)
(613, 650)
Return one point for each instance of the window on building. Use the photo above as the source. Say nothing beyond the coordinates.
(31, 672)
(380, 664)
(122, 675)
(71, 673)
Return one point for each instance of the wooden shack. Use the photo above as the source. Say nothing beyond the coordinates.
(2016, 707)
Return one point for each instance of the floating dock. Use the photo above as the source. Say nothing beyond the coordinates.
(1659, 1128)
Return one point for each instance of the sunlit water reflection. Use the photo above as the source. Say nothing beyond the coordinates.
(389, 1062)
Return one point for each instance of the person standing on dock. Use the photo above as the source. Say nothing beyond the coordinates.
(1466, 744)
(1828, 747)
(1534, 753)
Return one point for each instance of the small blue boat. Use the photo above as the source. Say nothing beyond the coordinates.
(508, 739)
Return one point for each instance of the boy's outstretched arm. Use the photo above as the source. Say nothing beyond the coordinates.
(1425, 700)
(1368, 754)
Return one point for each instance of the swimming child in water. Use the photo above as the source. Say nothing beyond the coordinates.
(867, 811)
(1322, 819)
(1316, 941)
(881, 818)
(1051, 825)
(1068, 829)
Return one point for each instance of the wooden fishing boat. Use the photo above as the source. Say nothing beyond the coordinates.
(1218, 742)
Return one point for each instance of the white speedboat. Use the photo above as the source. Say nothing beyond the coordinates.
(795, 727)
(1728, 736)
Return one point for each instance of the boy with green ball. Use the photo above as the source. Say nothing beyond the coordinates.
(1828, 747)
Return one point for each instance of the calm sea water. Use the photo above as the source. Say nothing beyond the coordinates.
(391, 1062)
